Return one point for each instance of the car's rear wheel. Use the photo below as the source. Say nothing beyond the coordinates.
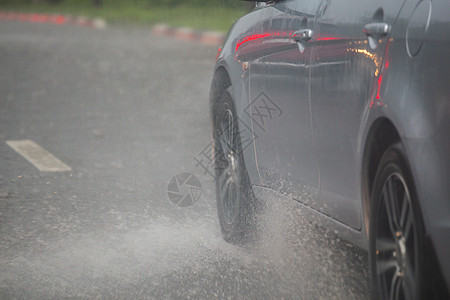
(235, 199)
(396, 231)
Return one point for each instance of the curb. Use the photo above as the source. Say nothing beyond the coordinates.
(57, 19)
(212, 38)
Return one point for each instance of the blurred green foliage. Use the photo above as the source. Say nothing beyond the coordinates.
(199, 14)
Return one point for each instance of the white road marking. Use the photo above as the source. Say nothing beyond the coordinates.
(43, 160)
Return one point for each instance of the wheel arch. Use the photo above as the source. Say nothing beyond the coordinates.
(381, 135)
(220, 82)
(224, 77)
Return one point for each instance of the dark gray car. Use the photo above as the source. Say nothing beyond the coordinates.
(343, 105)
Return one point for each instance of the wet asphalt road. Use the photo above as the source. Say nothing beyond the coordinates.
(127, 111)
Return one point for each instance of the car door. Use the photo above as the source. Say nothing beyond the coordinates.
(346, 65)
(280, 102)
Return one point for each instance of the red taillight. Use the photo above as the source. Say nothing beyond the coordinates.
(218, 53)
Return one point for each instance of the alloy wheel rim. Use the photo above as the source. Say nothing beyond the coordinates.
(396, 241)
(228, 172)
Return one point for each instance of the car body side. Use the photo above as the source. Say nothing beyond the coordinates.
(410, 104)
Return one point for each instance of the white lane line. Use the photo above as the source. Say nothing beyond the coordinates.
(38, 156)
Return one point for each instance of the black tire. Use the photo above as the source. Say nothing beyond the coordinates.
(235, 199)
(397, 248)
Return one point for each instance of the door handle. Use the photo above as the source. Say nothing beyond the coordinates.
(376, 29)
(303, 35)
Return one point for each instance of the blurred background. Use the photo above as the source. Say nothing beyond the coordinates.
(198, 14)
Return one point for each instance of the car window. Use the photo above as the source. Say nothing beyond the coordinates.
(308, 6)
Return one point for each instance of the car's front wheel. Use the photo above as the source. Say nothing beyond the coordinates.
(396, 231)
(235, 199)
